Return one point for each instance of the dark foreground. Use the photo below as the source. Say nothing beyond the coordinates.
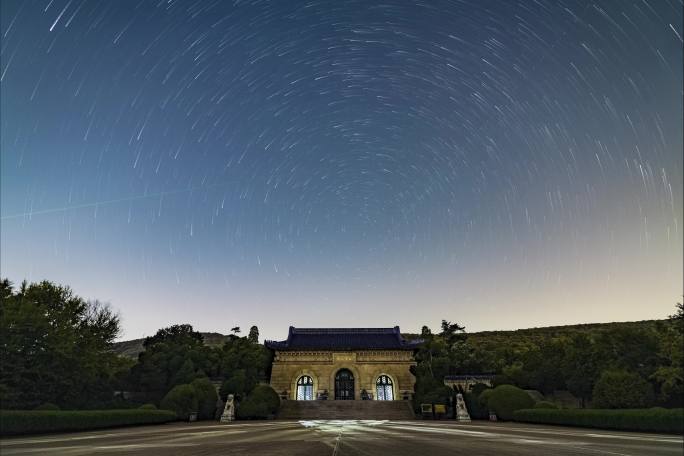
(341, 438)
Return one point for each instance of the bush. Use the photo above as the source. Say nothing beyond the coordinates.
(147, 407)
(483, 398)
(545, 405)
(13, 422)
(206, 398)
(619, 389)
(506, 399)
(266, 395)
(475, 409)
(251, 410)
(645, 420)
(48, 406)
(182, 400)
(261, 402)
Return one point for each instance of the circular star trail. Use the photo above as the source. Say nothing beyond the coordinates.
(337, 162)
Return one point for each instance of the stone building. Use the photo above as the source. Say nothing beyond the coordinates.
(343, 364)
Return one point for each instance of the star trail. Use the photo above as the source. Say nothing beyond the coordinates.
(342, 163)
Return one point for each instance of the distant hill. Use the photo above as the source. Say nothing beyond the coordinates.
(558, 331)
(131, 348)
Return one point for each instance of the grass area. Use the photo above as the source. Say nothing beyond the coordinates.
(15, 422)
(647, 420)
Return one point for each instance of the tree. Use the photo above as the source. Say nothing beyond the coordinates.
(244, 363)
(253, 335)
(544, 366)
(678, 316)
(186, 374)
(622, 389)
(580, 367)
(176, 335)
(452, 332)
(173, 356)
(669, 376)
(206, 397)
(55, 347)
(236, 384)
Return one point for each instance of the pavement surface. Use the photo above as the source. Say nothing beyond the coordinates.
(342, 438)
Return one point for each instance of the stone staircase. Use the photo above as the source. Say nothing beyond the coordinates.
(345, 410)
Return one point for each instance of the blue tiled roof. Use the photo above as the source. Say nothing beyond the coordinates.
(343, 339)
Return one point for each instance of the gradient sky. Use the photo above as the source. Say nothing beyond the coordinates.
(346, 163)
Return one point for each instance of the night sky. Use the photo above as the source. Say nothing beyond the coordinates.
(346, 163)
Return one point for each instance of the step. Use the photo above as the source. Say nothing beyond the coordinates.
(349, 410)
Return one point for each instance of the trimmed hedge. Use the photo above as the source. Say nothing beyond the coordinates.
(48, 406)
(647, 420)
(13, 422)
(545, 405)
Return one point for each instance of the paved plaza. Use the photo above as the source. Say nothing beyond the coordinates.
(341, 438)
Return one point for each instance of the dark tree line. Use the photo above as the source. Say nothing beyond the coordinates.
(55, 347)
(648, 355)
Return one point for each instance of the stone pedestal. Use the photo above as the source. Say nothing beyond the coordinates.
(229, 410)
(461, 410)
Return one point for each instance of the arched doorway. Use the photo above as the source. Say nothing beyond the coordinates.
(344, 385)
(384, 388)
(305, 388)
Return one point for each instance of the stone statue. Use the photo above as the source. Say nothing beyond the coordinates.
(229, 410)
(461, 410)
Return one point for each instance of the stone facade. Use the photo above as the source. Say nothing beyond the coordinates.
(321, 353)
(322, 366)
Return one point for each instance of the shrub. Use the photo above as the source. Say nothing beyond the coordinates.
(483, 398)
(261, 402)
(48, 406)
(251, 410)
(506, 399)
(645, 420)
(476, 410)
(545, 405)
(266, 395)
(148, 407)
(182, 400)
(620, 389)
(13, 422)
(206, 398)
